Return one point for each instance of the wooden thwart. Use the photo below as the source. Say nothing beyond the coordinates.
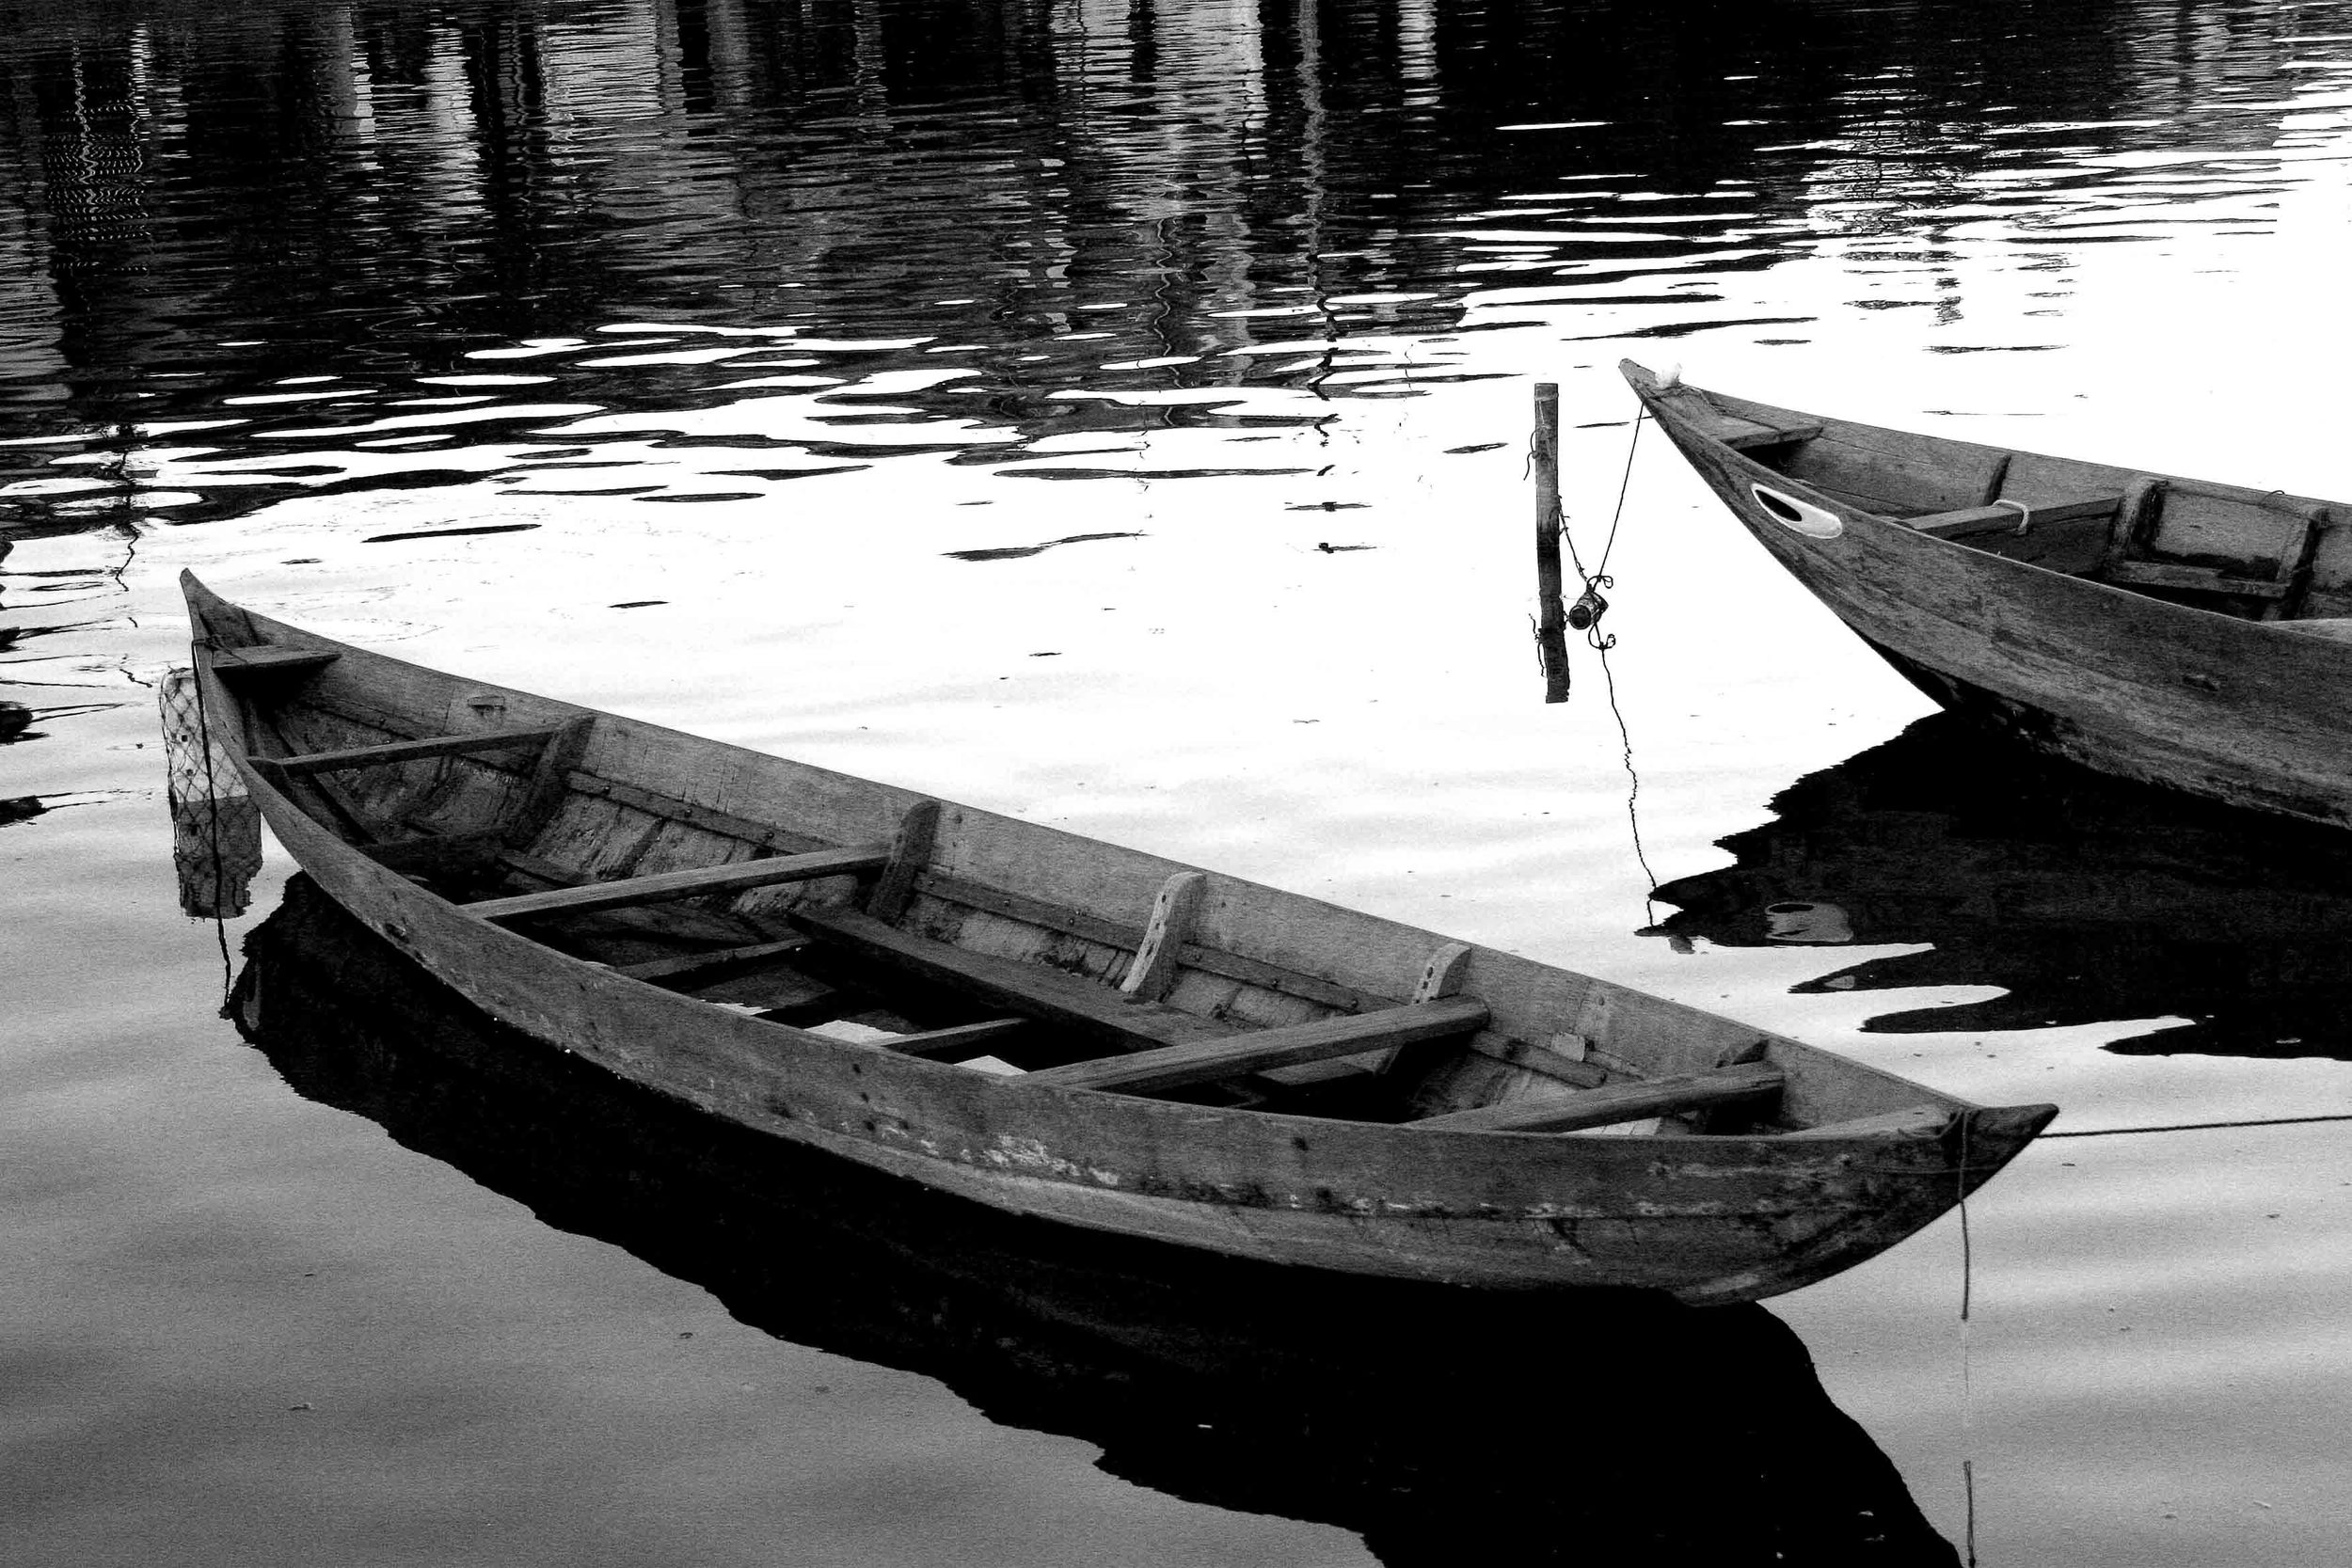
(1917, 1121)
(1049, 995)
(738, 878)
(227, 662)
(1997, 519)
(1172, 1066)
(413, 750)
(1602, 1107)
(1751, 434)
(2200, 579)
(696, 966)
(955, 1041)
(1110, 933)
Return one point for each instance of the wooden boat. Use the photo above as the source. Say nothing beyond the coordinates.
(1161, 1052)
(2187, 634)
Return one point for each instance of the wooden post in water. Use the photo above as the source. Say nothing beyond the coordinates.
(1552, 625)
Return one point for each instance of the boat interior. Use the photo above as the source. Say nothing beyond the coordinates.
(2256, 555)
(530, 826)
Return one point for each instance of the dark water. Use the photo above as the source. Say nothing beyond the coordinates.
(703, 359)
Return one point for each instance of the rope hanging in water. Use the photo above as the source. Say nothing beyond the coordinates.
(1552, 625)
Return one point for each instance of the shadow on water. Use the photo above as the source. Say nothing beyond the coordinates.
(2085, 898)
(1444, 1425)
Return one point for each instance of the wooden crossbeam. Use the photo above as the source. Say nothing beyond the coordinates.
(1917, 1121)
(1747, 435)
(669, 885)
(1602, 1107)
(2007, 519)
(1049, 995)
(2200, 580)
(412, 751)
(1199, 1062)
(227, 662)
(695, 966)
(955, 1041)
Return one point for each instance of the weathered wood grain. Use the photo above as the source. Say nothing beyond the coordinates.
(1707, 1218)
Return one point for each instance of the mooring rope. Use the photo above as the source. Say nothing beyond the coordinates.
(2199, 1126)
(1624, 485)
(1634, 782)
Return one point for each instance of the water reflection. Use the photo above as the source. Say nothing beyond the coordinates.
(1439, 1424)
(1017, 232)
(2085, 898)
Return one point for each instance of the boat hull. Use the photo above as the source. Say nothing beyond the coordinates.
(2239, 711)
(1706, 1218)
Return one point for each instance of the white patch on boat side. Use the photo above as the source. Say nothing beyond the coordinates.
(1032, 1154)
(1797, 517)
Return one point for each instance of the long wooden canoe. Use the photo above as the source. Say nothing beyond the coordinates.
(1060, 1027)
(2187, 634)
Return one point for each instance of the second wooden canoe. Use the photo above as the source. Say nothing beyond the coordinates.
(2181, 632)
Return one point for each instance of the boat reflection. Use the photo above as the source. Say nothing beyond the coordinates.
(2087, 899)
(1440, 1424)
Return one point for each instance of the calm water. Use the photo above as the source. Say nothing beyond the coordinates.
(1115, 413)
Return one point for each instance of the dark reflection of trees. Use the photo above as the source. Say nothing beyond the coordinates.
(306, 164)
(371, 188)
(1447, 1426)
(2085, 898)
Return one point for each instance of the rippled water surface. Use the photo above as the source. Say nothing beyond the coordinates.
(1116, 415)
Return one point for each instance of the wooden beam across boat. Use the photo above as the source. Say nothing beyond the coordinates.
(414, 751)
(236, 662)
(1174, 1066)
(958, 1038)
(697, 966)
(1616, 1102)
(1051, 995)
(665, 886)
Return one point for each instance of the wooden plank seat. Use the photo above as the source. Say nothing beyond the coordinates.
(1616, 1102)
(1749, 434)
(1204, 1061)
(2194, 579)
(269, 658)
(690, 967)
(1051, 996)
(1208, 960)
(410, 750)
(666, 886)
(2006, 517)
(956, 1039)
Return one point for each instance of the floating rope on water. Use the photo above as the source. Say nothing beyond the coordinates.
(2199, 1126)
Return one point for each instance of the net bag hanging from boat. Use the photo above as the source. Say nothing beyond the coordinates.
(215, 827)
